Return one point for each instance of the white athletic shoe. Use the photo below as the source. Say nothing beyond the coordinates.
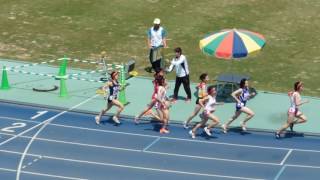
(243, 126)
(97, 120)
(207, 131)
(115, 119)
(224, 128)
(185, 125)
(136, 120)
(193, 136)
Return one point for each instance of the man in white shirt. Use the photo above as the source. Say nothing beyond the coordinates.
(179, 62)
(156, 41)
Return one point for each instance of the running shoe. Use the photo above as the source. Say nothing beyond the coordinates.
(277, 135)
(97, 120)
(115, 119)
(188, 100)
(243, 126)
(192, 134)
(224, 128)
(291, 126)
(136, 120)
(164, 131)
(207, 131)
(185, 125)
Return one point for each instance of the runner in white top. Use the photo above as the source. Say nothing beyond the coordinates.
(293, 112)
(208, 103)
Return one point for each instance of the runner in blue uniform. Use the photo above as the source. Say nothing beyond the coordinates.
(112, 100)
(242, 95)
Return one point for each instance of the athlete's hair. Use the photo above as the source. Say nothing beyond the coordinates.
(113, 74)
(160, 80)
(203, 76)
(297, 85)
(157, 72)
(210, 89)
(243, 82)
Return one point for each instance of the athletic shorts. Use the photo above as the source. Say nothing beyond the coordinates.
(240, 105)
(110, 98)
(294, 111)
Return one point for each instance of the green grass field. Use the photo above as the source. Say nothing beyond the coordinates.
(39, 30)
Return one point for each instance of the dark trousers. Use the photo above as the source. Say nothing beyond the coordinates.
(186, 85)
(156, 58)
(156, 65)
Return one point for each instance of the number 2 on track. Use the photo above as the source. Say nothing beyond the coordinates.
(10, 129)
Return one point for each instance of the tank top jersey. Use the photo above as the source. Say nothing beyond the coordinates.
(293, 107)
(201, 90)
(162, 97)
(244, 96)
(113, 91)
(210, 105)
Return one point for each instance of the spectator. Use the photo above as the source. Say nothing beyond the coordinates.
(156, 41)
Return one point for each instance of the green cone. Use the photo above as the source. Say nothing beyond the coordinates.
(63, 68)
(4, 83)
(63, 88)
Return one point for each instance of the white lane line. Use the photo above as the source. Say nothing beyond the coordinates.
(280, 172)
(42, 174)
(286, 157)
(212, 158)
(44, 124)
(303, 166)
(154, 152)
(108, 164)
(151, 169)
(151, 144)
(171, 138)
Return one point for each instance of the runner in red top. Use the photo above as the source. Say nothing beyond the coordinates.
(148, 110)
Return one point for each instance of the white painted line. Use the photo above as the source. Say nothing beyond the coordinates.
(302, 166)
(151, 169)
(286, 157)
(212, 158)
(151, 144)
(280, 172)
(41, 174)
(108, 164)
(171, 138)
(44, 124)
(151, 152)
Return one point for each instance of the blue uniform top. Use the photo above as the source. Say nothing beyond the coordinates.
(113, 91)
(244, 96)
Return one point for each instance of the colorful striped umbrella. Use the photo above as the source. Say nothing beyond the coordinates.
(232, 43)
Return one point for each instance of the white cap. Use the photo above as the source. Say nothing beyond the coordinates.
(156, 21)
